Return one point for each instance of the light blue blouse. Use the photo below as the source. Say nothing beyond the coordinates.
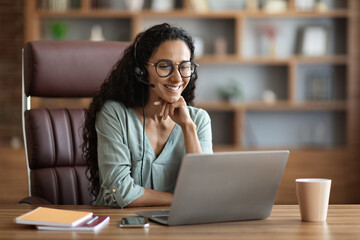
(120, 147)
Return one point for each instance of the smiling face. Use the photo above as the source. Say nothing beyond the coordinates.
(168, 88)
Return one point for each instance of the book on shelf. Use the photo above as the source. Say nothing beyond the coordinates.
(54, 217)
(93, 224)
(59, 5)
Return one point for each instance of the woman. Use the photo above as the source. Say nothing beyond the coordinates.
(139, 125)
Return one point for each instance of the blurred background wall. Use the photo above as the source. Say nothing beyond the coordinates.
(11, 42)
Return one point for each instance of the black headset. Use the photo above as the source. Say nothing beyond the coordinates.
(140, 73)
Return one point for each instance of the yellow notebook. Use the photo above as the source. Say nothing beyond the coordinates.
(53, 217)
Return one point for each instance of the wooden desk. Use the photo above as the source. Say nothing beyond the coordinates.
(284, 223)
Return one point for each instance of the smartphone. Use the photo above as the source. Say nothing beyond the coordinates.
(134, 222)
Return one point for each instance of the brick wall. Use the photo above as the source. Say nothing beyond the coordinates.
(11, 42)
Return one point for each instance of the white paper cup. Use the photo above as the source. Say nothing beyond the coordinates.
(313, 198)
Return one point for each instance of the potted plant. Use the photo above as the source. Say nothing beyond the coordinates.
(231, 91)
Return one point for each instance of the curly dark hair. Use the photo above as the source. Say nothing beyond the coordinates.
(122, 86)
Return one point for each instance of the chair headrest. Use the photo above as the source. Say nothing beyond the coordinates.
(68, 68)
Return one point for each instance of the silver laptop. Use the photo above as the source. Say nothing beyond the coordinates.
(220, 187)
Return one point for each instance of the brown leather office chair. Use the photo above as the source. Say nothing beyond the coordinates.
(52, 137)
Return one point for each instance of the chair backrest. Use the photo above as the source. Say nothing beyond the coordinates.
(61, 69)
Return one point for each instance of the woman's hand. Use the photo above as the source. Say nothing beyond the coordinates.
(177, 111)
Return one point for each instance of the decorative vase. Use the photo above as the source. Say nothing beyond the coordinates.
(199, 46)
(134, 5)
(96, 33)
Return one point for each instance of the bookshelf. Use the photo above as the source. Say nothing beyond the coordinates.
(252, 123)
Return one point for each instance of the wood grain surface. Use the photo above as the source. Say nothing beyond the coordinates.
(284, 223)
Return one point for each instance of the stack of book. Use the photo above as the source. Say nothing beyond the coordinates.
(59, 5)
(57, 219)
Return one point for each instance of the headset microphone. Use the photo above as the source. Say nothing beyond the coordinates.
(142, 81)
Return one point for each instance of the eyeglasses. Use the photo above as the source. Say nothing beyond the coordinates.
(165, 68)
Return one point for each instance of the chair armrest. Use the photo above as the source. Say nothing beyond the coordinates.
(34, 201)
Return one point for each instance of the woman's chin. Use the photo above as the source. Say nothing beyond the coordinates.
(171, 99)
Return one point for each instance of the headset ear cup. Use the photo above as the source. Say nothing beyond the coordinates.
(139, 72)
